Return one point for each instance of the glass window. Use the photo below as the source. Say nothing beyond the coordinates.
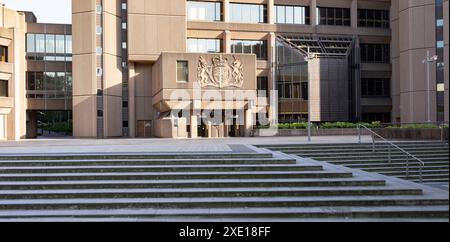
(204, 45)
(333, 16)
(3, 53)
(49, 43)
(373, 18)
(182, 71)
(3, 88)
(257, 47)
(248, 13)
(31, 76)
(209, 11)
(68, 44)
(59, 44)
(377, 53)
(40, 43)
(291, 14)
(30, 43)
(281, 17)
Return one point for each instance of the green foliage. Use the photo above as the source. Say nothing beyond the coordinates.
(416, 126)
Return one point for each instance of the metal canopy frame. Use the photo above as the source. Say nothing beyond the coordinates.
(320, 46)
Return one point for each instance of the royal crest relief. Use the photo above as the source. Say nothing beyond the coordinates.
(220, 73)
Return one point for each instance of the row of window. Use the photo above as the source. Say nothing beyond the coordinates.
(373, 18)
(285, 14)
(375, 87)
(49, 43)
(204, 45)
(375, 53)
(49, 84)
(257, 47)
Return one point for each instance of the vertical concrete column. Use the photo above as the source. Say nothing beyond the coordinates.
(272, 78)
(226, 10)
(271, 11)
(132, 101)
(209, 127)
(248, 122)
(313, 12)
(194, 125)
(2, 127)
(354, 14)
(226, 41)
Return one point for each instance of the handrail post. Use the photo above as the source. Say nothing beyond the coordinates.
(407, 166)
(389, 154)
(373, 143)
(420, 171)
(359, 134)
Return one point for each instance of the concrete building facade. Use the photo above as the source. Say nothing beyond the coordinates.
(35, 72)
(150, 68)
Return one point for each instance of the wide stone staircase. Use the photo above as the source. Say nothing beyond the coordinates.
(435, 155)
(255, 186)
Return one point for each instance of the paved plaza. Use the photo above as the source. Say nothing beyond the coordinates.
(58, 146)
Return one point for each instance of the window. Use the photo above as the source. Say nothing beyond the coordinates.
(49, 47)
(373, 18)
(375, 87)
(375, 53)
(204, 45)
(56, 85)
(291, 14)
(263, 86)
(257, 47)
(333, 16)
(206, 11)
(59, 44)
(182, 71)
(3, 53)
(49, 43)
(3, 88)
(248, 13)
(31, 47)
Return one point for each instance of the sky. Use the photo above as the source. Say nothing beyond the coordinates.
(46, 11)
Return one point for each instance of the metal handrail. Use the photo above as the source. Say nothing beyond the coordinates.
(422, 164)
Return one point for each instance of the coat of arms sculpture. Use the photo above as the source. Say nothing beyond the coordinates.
(220, 73)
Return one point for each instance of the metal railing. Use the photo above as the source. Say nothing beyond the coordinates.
(391, 144)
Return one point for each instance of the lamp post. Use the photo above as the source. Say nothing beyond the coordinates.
(307, 59)
(427, 61)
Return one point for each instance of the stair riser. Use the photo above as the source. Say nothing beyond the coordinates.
(228, 204)
(358, 158)
(194, 185)
(388, 169)
(371, 155)
(213, 194)
(181, 169)
(174, 177)
(365, 149)
(385, 164)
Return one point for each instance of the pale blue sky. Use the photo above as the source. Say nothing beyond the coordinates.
(46, 11)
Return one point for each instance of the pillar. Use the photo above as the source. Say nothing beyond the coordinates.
(313, 12)
(226, 11)
(248, 122)
(226, 41)
(2, 127)
(354, 14)
(271, 11)
(132, 101)
(194, 126)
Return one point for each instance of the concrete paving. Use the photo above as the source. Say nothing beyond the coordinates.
(61, 146)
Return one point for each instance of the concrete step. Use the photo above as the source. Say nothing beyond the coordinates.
(127, 156)
(403, 168)
(147, 168)
(384, 162)
(372, 154)
(208, 192)
(415, 172)
(171, 175)
(425, 177)
(205, 183)
(360, 149)
(148, 161)
(220, 202)
(409, 213)
(356, 145)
